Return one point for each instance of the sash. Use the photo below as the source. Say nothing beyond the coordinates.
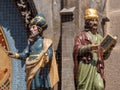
(33, 66)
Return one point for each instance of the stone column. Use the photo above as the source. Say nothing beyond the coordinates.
(68, 28)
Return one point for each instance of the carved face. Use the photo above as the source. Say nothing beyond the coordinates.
(34, 32)
(93, 25)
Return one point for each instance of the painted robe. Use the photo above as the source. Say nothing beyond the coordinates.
(88, 75)
(39, 73)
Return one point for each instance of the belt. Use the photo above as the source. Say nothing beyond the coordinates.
(34, 55)
(93, 62)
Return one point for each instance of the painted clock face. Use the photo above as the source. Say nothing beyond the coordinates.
(5, 64)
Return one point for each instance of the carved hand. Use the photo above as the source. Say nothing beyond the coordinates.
(94, 47)
(11, 54)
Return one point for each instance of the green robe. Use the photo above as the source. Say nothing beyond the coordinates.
(88, 77)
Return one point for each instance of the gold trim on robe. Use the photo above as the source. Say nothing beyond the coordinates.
(33, 66)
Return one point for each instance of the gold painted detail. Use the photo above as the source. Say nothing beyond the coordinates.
(17, 55)
(5, 70)
(34, 55)
(3, 41)
(5, 63)
(90, 13)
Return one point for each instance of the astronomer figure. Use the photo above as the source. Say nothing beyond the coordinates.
(89, 56)
(41, 67)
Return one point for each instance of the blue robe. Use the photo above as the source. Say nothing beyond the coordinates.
(41, 78)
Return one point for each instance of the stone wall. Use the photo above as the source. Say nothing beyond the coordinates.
(112, 68)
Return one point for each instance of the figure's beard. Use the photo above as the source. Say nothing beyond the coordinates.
(33, 37)
(93, 29)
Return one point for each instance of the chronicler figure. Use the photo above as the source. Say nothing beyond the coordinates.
(89, 55)
(41, 66)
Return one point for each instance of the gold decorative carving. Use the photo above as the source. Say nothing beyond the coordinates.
(26, 10)
(5, 64)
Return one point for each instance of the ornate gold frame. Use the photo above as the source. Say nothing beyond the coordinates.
(5, 63)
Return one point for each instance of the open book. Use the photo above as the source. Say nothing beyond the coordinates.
(108, 42)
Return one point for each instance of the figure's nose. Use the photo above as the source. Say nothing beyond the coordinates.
(31, 29)
(95, 21)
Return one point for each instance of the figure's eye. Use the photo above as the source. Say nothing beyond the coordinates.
(33, 26)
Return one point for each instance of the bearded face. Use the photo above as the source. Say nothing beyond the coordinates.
(92, 24)
(34, 32)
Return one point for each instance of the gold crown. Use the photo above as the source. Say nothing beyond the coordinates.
(90, 13)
